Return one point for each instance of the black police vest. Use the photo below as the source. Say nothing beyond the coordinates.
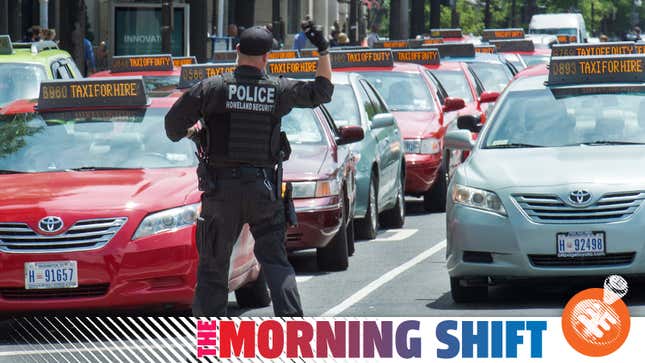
(253, 129)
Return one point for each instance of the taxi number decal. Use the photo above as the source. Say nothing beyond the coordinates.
(597, 67)
(100, 90)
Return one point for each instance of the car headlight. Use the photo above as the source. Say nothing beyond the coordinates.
(477, 198)
(422, 146)
(167, 220)
(316, 189)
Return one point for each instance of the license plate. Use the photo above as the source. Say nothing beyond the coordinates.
(51, 275)
(580, 244)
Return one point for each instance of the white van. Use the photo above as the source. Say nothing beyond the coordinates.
(555, 24)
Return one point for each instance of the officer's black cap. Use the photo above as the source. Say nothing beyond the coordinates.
(257, 40)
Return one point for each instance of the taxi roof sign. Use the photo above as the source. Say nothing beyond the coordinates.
(92, 92)
(488, 49)
(193, 73)
(284, 54)
(141, 63)
(427, 41)
(496, 34)
(5, 45)
(409, 43)
(225, 56)
(565, 39)
(593, 69)
(182, 61)
(294, 68)
(455, 49)
(361, 58)
(309, 53)
(514, 45)
(446, 33)
(425, 56)
(586, 49)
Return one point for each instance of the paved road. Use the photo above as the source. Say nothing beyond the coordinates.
(403, 273)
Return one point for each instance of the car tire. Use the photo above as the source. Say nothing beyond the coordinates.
(254, 294)
(366, 228)
(434, 200)
(351, 248)
(335, 256)
(466, 294)
(395, 217)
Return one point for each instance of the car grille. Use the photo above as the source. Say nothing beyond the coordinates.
(16, 293)
(551, 209)
(607, 260)
(83, 235)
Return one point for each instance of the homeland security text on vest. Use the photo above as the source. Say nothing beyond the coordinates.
(250, 98)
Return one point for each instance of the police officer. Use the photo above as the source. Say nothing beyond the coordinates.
(241, 112)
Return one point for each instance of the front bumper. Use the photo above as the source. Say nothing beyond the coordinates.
(152, 271)
(421, 172)
(319, 219)
(521, 248)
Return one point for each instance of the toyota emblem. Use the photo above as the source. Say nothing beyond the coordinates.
(579, 197)
(50, 224)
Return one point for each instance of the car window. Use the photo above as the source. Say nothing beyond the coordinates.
(402, 91)
(73, 68)
(59, 141)
(60, 71)
(455, 83)
(302, 127)
(370, 109)
(343, 106)
(539, 118)
(379, 107)
(20, 81)
(494, 76)
(532, 60)
(441, 92)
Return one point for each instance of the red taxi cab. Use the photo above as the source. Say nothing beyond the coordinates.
(321, 168)
(99, 207)
(160, 72)
(512, 41)
(412, 98)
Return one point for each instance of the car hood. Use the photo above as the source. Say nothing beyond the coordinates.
(306, 162)
(417, 124)
(97, 192)
(535, 167)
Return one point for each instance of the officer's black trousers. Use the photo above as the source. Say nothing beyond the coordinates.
(224, 212)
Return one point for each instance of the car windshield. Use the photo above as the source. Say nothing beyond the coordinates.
(20, 81)
(157, 84)
(554, 31)
(402, 91)
(494, 76)
(455, 83)
(539, 119)
(343, 107)
(90, 140)
(532, 60)
(302, 127)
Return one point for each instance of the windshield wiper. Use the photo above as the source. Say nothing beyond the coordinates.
(8, 171)
(92, 168)
(514, 145)
(609, 142)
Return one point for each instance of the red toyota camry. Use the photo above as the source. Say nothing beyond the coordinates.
(99, 207)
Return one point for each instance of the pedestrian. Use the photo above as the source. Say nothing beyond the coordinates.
(90, 61)
(300, 40)
(372, 37)
(333, 38)
(343, 39)
(233, 34)
(49, 34)
(276, 43)
(102, 56)
(603, 38)
(240, 160)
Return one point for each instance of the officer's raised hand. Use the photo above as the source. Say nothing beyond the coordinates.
(315, 35)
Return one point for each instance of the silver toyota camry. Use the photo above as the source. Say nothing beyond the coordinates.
(553, 186)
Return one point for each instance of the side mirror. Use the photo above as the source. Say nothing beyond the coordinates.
(469, 122)
(488, 97)
(350, 134)
(382, 120)
(453, 104)
(458, 140)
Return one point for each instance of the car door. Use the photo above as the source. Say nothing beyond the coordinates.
(389, 148)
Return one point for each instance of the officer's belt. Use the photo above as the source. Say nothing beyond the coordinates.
(241, 172)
